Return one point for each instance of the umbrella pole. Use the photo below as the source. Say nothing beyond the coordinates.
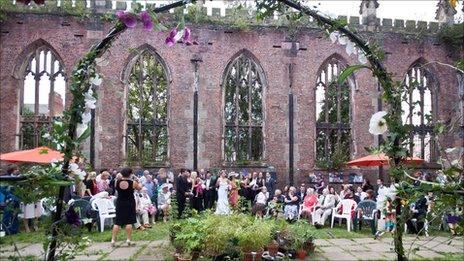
(381, 173)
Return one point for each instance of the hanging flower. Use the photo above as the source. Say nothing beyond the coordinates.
(350, 48)
(378, 125)
(81, 128)
(72, 217)
(97, 80)
(26, 2)
(86, 117)
(90, 100)
(362, 57)
(146, 20)
(334, 36)
(343, 40)
(127, 18)
(183, 35)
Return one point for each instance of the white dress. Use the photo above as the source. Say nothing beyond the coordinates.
(223, 200)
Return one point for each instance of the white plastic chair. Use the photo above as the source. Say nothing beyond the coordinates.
(347, 206)
(106, 210)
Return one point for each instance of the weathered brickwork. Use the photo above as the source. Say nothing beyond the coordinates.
(70, 38)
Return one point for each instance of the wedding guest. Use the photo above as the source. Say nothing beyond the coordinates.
(380, 187)
(90, 184)
(323, 208)
(125, 205)
(31, 212)
(301, 193)
(260, 203)
(104, 183)
(198, 192)
(270, 185)
(144, 208)
(419, 211)
(320, 185)
(209, 191)
(360, 193)
(291, 204)
(309, 202)
(366, 185)
(233, 194)
(143, 178)
(164, 201)
(183, 191)
(245, 188)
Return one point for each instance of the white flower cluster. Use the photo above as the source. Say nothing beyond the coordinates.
(378, 124)
(350, 46)
(77, 171)
(89, 105)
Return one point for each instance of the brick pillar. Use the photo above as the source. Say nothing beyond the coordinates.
(445, 12)
(368, 12)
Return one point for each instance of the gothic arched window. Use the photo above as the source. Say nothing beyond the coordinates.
(333, 115)
(42, 95)
(243, 111)
(147, 110)
(418, 110)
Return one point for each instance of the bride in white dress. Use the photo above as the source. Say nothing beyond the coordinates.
(223, 199)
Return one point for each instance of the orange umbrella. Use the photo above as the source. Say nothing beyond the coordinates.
(379, 160)
(37, 155)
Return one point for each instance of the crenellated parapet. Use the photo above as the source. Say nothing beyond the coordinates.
(217, 11)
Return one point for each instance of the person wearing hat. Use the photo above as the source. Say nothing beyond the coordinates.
(164, 201)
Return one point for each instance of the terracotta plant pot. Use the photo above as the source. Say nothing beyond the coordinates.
(310, 247)
(273, 248)
(301, 254)
(180, 258)
(257, 257)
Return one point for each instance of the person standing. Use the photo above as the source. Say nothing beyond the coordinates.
(270, 185)
(183, 191)
(209, 191)
(223, 184)
(125, 206)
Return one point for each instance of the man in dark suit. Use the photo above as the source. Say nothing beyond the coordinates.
(210, 190)
(183, 191)
(270, 185)
(301, 193)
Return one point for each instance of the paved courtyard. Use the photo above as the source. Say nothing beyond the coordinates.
(327, 249)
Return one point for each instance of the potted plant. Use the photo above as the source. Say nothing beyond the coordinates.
(253, 239)
(273, 248)
(309, 244)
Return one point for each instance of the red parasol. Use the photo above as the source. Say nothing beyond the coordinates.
(380, 160)
(37, 155)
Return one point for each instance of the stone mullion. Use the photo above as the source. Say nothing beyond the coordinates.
(249, 108)
(37, 91)
(326, 109)
(156, 124)
(51, 104)
(237, 108)
(339, 120)
(140, 88)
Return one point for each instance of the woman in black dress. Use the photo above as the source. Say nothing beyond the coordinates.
(125, 205)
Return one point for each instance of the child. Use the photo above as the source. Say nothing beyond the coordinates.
(390, 219)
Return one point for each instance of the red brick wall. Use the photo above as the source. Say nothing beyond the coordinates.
(216, 48)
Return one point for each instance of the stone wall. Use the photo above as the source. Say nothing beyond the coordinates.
(71, 38)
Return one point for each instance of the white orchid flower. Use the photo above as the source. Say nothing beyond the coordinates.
(450, 150)
(378, 125)
(179, 35)
(81, 128)
(90, 100)
(86, 117)
(350, 48)
(46, 136)
(97, 80)
(362, 58)
(343, 40)
(334, 36)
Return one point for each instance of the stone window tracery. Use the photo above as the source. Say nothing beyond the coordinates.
(333, 115)
(243, 111)
(147, 110)
(42, 97)
(418, 110)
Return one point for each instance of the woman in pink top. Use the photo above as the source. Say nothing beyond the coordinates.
(309, 202)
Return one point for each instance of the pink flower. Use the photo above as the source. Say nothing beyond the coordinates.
(127, 18)
(182, 35)
(146, 20)
(170, 41)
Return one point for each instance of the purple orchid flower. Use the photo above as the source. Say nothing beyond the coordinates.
(170, 40)
(72, 217)
(127, 18)
(146, 20)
